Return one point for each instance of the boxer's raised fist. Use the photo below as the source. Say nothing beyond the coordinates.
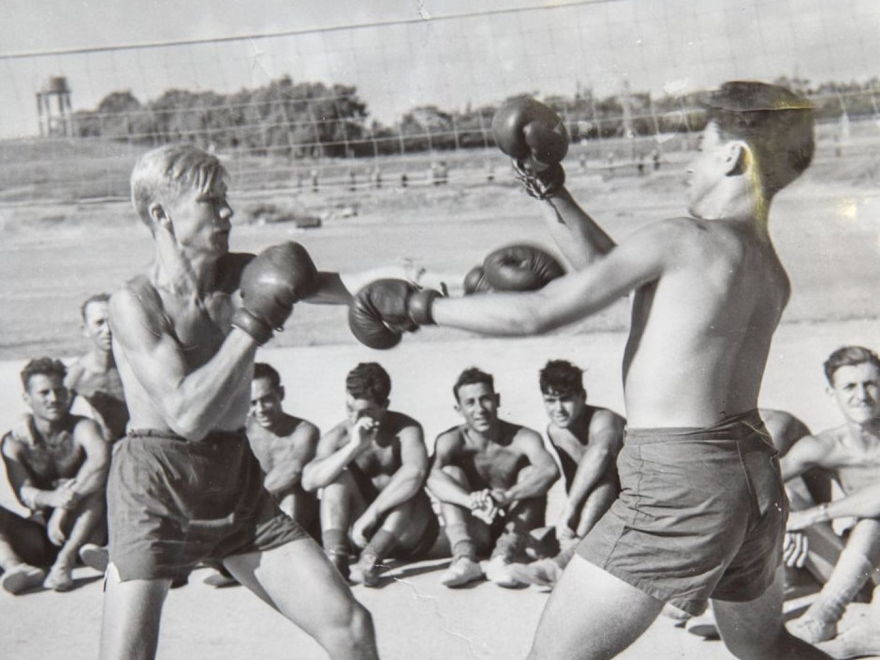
(527, 130)
(520, 268)
(383, 310)
(270, 284)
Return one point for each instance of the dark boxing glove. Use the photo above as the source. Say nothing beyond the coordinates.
(520, 268)
(270, 284)
(383, 310)
(475, 281)
(534, 136)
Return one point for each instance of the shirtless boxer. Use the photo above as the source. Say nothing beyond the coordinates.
(372, 467)
(93, 377)
(492, 478)
(850, 453)
(184, 486)
(58, 470)
(587, 440)
(284, 445)
(702, 508)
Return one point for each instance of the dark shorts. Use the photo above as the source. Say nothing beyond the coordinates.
(701, 514)
(173, 504)
(28, 538)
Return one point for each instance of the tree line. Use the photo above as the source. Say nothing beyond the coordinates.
(313, 119)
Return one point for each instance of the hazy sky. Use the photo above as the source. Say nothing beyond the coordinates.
(656, 45)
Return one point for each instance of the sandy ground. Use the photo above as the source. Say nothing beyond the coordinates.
(415, 616)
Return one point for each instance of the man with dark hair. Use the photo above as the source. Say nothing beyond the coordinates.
(284, 445)
(372, 468)
(93, 377)
(491, 478)
(850, 454)
(58, 471)
(587, 440)
(702, 508)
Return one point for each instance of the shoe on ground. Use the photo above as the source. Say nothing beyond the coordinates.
(503, 573)
(220, 580)
(811, 629)
(703, 626)
(95, 556)
(366, 572)
(542, 572)
(21, 578)
(461, 571)
(59, 579)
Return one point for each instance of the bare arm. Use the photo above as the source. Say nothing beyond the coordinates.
(808, 452)
(637, 261)
(336, 449)
(544, 471)
(581, 240)
(189, 401)
(287, 470)
(444, 487)
(23, 486)
(606, 439)
(92, 474)
(409, 477)
(863, 504)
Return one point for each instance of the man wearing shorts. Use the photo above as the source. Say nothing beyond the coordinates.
(850, 454)
(492, 478)
(184, 486)
(702, 507)
(587, 439)
(372, 468)
(93, 377)
(58, 470)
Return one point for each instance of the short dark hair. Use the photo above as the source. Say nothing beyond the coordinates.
(774, 122)
(263, 370)
(368, 380)
(96, 298)
(472, 376)
(848, 356)
(561, 377)
(43, 366)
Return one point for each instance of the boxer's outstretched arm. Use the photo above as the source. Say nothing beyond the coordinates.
(189, 401)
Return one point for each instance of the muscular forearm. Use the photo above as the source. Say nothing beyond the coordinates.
(575, 232)
(89, 481)
(35, 498)
(445, 489)
(323, 471)
(863, 504)
(283, 478)
(535, 485)
(589, 472)
(403, 485)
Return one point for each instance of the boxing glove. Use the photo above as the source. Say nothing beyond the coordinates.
(526, 129)
(520, 268)
(475, 281)
(270, 284)
(383, 310)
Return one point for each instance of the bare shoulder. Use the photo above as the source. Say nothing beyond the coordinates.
(523, 436)
(136, 311)
(85, 430)
(606, 416)
(450, 440)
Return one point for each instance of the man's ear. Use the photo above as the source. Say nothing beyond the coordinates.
(738, 158)
(160, 217)
(497, 400)
(458, 409)
(281, 392)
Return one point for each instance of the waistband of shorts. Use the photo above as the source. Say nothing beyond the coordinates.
(735, 427)
(171, 435)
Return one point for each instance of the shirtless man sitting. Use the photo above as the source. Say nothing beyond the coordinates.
(372, 468)
(702, 508)
(184, 485)
(492, 478)
(850, 453)
(93, 377)
(58, 471)
(587, 439)
(284, 445)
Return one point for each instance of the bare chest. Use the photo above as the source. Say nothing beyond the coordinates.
(59, 458)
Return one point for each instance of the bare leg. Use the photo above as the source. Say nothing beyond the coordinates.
(755, 629)
(466, 536)
(341, 504)
(299, 581)
(89, 516)
(408, 521)
(132, 609)
(24, 547)
(591, 614)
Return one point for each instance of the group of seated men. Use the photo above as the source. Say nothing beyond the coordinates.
(368, 489)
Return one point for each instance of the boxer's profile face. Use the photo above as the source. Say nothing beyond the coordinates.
(856, 388)
(201, 219)
(706, 169)
(266, 402)
(96, 325)
(478, 404)
(563, 408)
(47, 397)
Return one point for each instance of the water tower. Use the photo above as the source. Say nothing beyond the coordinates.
(53, 108)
